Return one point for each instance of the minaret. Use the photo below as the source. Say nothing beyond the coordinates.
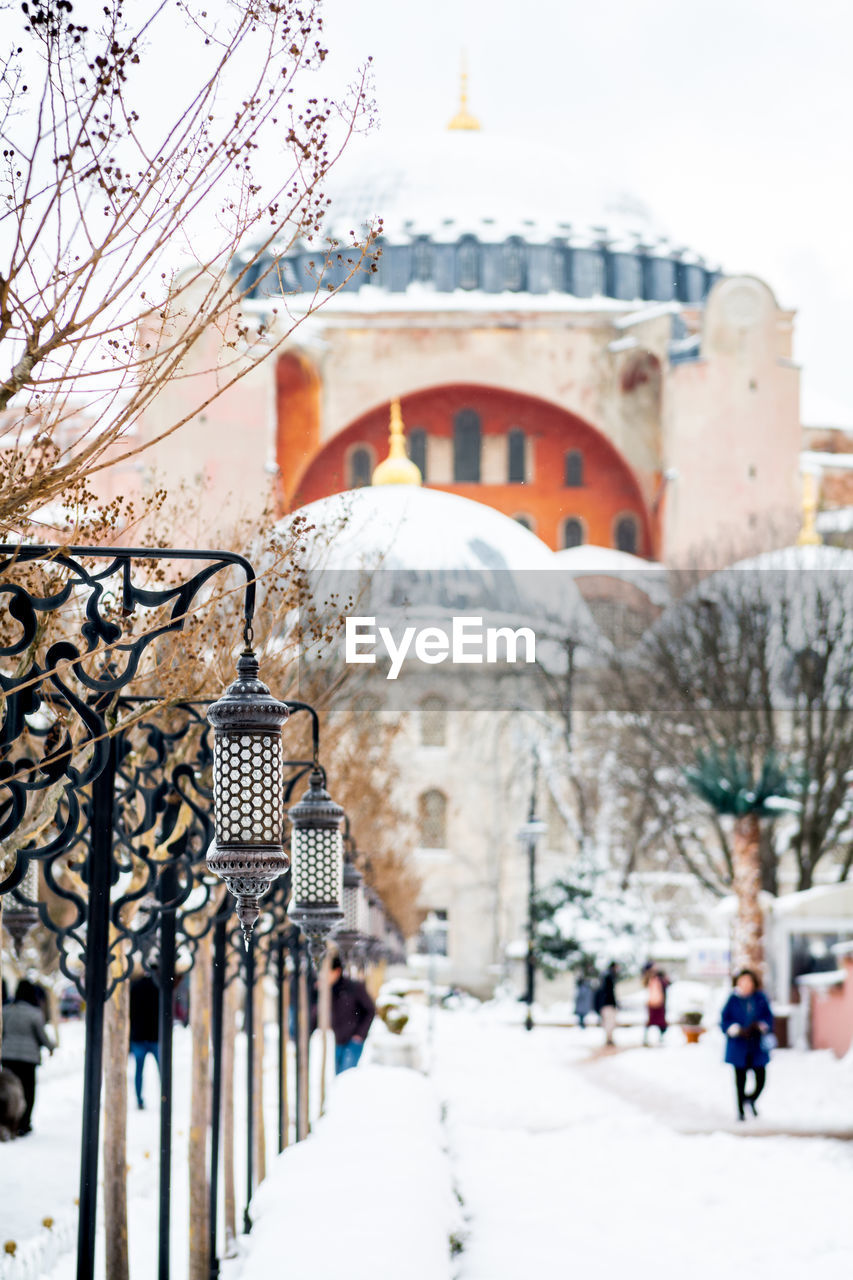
(398, 467)
(463, 118)
(808, 535)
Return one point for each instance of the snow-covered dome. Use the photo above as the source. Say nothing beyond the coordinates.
(809, 558)
(450, 183)
(470, 212)
(648, 575)
(405, 527)
(434, 553)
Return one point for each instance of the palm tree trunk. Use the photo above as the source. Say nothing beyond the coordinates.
(748, 948)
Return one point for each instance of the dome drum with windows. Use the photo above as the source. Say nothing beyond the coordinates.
(248, 789)
(466, 211)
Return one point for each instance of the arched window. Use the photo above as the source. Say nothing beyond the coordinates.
(572, 532)
(432, 819)
(516, 459)
(587, 273)
(513, 266)
(360, 467)
(559, 263)
(574, 469)
(422, 267)
(418, 449)
(466, 447)
(526, 521)
(433, 721)
(626, 534)
(468, 264)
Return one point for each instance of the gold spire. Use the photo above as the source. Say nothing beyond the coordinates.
(808, 535)
(463, 118)
(398, 467)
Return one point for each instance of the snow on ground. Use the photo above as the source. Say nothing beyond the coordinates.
(691, 1090)
(368, 1196)
(558, 1173)
(621, 1166)
(39, 1174)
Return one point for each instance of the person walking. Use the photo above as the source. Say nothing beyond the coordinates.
(24, 1037)
(352, 1013)
(747, 1021)
(584, 1000)
(606, 1003)
(656, 982)
(144, 1027)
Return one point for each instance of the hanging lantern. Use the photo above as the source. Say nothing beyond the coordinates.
(348, 936)
(21, 913)
(376, 926)
(317, 857)
(248, 789)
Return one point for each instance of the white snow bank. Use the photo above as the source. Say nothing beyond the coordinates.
(368, 1196)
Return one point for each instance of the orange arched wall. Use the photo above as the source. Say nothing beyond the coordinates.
(609, 489)
(297, 389)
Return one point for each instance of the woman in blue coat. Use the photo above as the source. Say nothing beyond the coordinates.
(746, 1019)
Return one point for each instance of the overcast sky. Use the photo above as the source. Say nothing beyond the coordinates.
(731, 119)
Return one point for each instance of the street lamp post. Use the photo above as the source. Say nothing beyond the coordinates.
(529, 835)
(431, 928)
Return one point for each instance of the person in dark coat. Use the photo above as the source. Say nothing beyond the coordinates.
(606, 1003)
(144, 1027)
(24, 1037)
(746, 1020)
(352, 1013)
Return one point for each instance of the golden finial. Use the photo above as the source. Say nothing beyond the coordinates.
(398, 467)
(463, 118)
(808, 535)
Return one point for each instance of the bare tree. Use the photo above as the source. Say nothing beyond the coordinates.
(127, 182)
(757, 662)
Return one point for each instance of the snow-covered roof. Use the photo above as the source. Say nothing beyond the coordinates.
(837, 520)
(824, 978)
(820, 900)
(441, 551)
(648, 576)
(448, 183)
(798, 558)
(408, 527)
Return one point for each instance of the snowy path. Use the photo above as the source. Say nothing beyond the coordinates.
(559, 1175)
(616, 1167)
(808, 1095)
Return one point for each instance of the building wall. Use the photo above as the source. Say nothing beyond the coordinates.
(712, 443)
(832, 1015)
(608, 493)
(732, 430)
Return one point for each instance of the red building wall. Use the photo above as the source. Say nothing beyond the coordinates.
(608, 492)
(832, 1015)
